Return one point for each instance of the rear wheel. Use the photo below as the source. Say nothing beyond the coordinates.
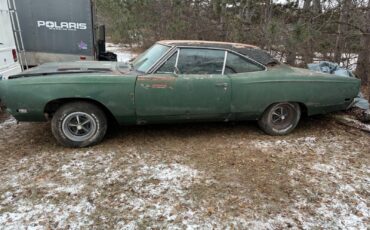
(280, 118)
(79, 124)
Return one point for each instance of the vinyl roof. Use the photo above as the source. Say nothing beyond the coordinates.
(206, 43)
(250, 51)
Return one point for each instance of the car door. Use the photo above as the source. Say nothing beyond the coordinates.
(189, 85)
(249, 92)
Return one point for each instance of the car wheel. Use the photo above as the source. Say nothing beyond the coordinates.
(79, 124)
(280, 118)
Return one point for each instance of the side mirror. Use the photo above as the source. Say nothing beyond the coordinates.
(177, 71)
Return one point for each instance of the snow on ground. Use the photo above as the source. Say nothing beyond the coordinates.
(123, 55)
(144, 191)
(210, 176)
(8, 122)
(342, 206)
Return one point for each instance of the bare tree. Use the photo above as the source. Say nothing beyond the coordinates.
(342, 28)
(291, 28)
(363, 64)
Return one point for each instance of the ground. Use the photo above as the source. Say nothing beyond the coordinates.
(195, 176)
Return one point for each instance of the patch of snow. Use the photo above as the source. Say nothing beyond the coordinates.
(71, 189)
(335, 214)
(157, 190)
(302, 145)
(9, 122)
(172, 172)
(324, 168)
(122, 54)
(308, 142)
(26, 215)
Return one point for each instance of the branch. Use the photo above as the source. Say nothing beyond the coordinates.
(351, 25)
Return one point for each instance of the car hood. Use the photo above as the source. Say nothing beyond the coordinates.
(83, 67)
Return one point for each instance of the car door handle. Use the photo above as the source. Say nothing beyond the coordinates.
(221, 85)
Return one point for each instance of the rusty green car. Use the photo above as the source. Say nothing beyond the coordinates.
(173, 81)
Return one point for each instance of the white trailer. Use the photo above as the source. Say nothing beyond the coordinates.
(9, 63)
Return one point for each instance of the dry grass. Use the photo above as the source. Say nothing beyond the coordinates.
(195, 175)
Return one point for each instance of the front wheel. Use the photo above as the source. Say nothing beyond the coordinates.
(280, 118)
(79, 124)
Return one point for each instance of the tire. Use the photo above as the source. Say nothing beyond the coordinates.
(280, 118)
(79, 124)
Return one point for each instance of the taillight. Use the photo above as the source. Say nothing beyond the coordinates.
(14, 52)
(82, 58)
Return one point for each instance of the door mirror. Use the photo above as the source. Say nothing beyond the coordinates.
(176, 70)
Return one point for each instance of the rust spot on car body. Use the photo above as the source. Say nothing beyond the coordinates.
(159, 86)
(156, 78)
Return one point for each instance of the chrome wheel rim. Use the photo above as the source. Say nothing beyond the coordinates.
(79, 126)
(282, 116)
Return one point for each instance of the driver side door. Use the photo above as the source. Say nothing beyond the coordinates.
(190, 85)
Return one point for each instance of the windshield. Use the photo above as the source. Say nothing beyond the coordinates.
(149, 57)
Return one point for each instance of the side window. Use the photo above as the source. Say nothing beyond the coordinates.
(169, 65)
(200, 61)
(238, 64)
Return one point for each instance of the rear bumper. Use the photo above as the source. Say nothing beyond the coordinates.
(351, 104)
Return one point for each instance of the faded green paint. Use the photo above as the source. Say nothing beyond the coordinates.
(182, 97)
(253, 92)
(165, 98)
(33, 93)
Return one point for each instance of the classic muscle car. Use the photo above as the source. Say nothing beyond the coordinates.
(173, 81)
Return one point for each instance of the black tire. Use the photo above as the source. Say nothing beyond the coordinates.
(280, 118)
(79, 124)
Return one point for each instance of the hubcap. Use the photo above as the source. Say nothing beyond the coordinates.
(79, 126)
(282, 116)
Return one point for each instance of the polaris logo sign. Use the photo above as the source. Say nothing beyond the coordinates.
(53, 25)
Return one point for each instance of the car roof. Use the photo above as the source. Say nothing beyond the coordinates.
(206, 43)
(250, 51)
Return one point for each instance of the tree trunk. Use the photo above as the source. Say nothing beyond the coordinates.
(363, 62)
(342, 28)
(307, 46)
(307, 4)
(316, 7)
(291, 57)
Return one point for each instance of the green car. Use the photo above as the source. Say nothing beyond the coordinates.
(173, 81)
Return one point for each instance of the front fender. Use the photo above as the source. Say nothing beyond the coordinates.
(33, 94)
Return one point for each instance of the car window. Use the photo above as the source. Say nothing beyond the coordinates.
(169, 65)
(200, 61)
(238, 64)
(149, 57)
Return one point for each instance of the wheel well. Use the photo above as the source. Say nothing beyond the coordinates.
(302, 106)
(304, 110)
(52, 106)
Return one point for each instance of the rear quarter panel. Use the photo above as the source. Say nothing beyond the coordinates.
(253, 92)
(33, 93)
